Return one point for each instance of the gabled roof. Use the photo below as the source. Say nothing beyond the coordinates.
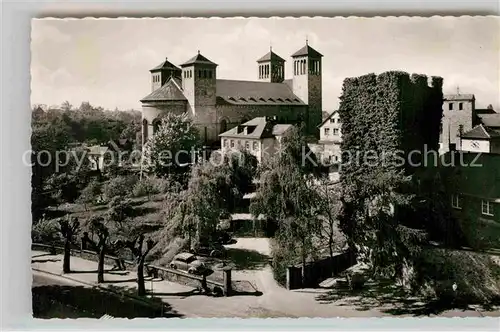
(198, 59)
(271, 56)
(255, 93)
(481, 132)
(459, 97)
(97, 150)
(170, 91)
(307, 50)
(490, 120)
(260, 127)
(327, 118)
(165, 65)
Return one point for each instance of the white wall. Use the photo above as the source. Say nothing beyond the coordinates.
(331, 126)
(475, 145)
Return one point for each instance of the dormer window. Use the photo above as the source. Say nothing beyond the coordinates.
(262, 99)
(288, 100)
(279, 99)
(243, 99)
(252, 99)
(271, 99)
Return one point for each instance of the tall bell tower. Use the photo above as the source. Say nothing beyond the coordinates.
(271, 68)
(307, 84)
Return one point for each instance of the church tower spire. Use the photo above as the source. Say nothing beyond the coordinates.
(271, 67)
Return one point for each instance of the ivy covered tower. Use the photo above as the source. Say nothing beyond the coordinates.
(161, 73)
(307, 84)
(271, 68)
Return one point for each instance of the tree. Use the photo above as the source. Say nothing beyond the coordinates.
(140, 250)
(90, 194)
(286, 194)
(98, 227)
(330, 207)
(68, 230)
(171, 148)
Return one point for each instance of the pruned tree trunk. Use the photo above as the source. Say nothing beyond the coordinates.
(67, 255)
(100, 264)
(141, 288)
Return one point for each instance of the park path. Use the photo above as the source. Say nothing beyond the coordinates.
(275, 301)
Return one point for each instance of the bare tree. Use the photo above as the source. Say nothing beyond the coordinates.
(68, 230)
(140, 252)
(98, 227)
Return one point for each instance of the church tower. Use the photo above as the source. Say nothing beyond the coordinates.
(271, 68)
(199, 82)
(161, 73)
(307, 84)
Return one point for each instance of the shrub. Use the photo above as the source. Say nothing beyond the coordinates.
(145, 187)
(119, 209)
(476, 275)
(90, 194)
(119, 186)
(45, 231)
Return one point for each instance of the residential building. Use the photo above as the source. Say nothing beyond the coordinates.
(260, 136)
(217, 105)
(481, 139)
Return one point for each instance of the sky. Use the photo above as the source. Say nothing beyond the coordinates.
(106, 61)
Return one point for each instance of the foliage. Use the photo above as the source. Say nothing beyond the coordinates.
(91, 194)
(476, 275)
(45, 231)
(172, 147)
(286, 194)
(119, 186)
(386, 116)
(119, 210)
(147, 186)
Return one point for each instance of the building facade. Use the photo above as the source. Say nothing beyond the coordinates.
(260, 136)
(216, 105)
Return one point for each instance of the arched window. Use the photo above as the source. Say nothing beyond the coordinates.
(223, 126)
(156, 125)
(209, 74)
(144, 130)
(205, 74)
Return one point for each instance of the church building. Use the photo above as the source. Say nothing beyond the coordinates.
(217, 105)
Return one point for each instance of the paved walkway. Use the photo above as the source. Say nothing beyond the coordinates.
(275, 301)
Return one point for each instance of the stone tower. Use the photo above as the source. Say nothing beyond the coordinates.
(161, 73)
(307, 84)
(271, 68)
(198, 82)
(458, 118)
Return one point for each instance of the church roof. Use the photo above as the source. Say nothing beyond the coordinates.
(271, 56)
(481, 132)
(255, 93)
(260, 127)
(165, 65)
(307, 50)
(490, 120)
(198, 59)
(170, 91)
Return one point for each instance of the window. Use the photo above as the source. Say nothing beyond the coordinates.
(332, 120)
(209, 74)
(232, 143)
(247, 145)
(450, 106)
(327, 131)
(487, 208)
(205, 74)
(199, 73)
(335, 131)
(224, 142)
(239, 143)
(255, 146)
(460, 106)
(456, 201)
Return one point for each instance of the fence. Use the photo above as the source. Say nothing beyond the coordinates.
(317, 271)
(152, 270)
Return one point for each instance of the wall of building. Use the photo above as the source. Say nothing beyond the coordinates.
(330, 135)
(453, 119)
(154, 111)
(475, 145)
(495, 146)
(253, 146)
